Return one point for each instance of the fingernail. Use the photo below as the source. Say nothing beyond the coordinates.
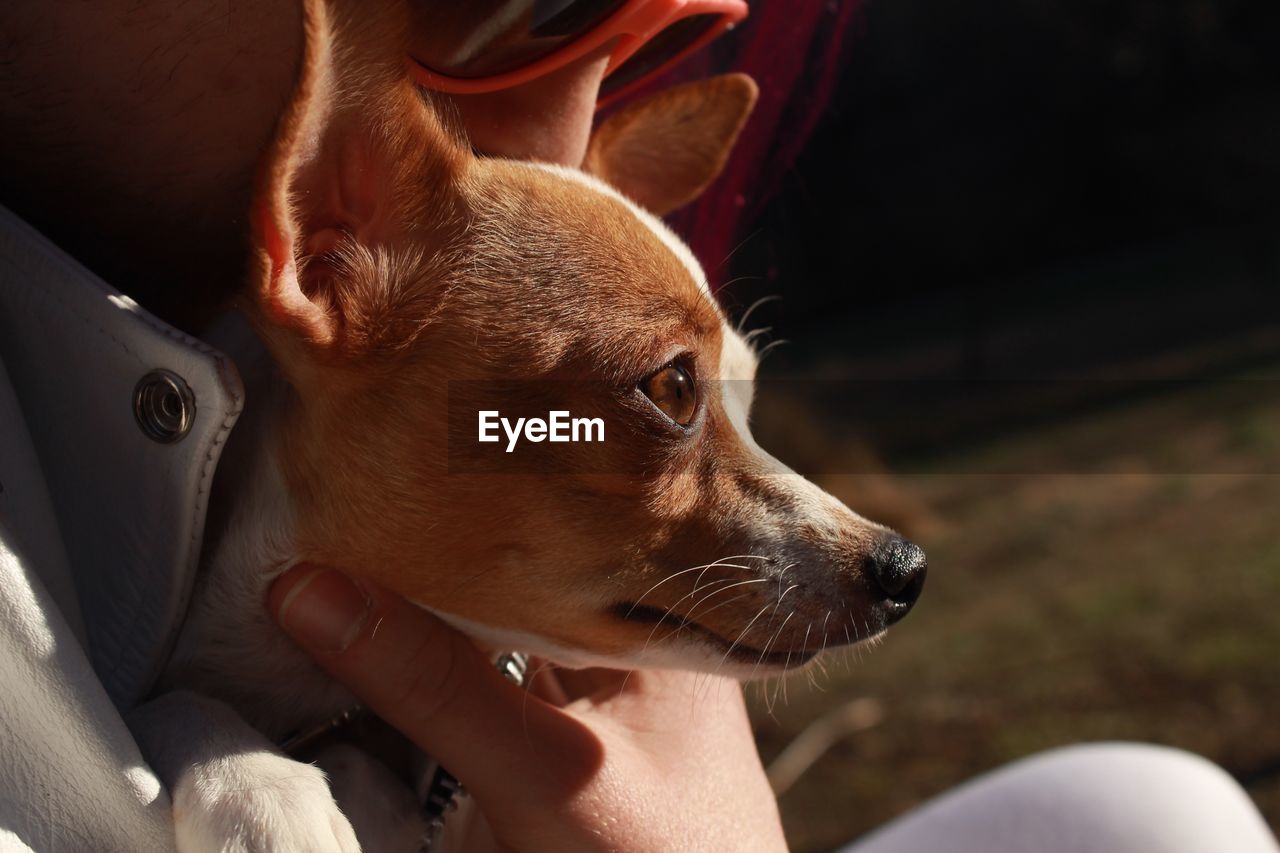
(324, 611)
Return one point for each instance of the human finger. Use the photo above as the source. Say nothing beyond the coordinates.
(433, 685)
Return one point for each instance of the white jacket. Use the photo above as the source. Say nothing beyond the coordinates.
(100, 533)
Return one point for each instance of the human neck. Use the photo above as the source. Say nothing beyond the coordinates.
(133, 132)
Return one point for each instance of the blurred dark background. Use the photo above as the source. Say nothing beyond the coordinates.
(1025, 187)
(1074, 190)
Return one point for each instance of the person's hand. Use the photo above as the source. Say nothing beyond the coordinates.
(586, 760)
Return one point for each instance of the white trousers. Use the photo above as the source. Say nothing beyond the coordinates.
(1098, 798)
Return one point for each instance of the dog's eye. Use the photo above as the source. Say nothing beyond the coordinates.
(673, 391)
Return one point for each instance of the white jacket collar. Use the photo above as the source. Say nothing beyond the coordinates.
(131, 509)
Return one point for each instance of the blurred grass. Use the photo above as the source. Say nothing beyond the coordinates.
(1061, 608)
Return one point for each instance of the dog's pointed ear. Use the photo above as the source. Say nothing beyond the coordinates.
(349, 181)
(663, 151)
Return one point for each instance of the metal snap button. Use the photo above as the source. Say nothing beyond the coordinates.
(164, 406)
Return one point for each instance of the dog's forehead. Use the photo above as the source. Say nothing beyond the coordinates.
(588, 271)
(646, 219)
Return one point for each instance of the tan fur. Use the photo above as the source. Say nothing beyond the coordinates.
(394, 263)
(398, 278)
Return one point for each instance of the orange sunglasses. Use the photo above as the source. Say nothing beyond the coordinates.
(487, 45)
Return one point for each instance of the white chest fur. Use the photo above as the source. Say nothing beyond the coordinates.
(230, 648)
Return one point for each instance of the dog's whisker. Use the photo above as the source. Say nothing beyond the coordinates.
(770, 348)
(683, 620)
(814, 672)
(670, 577)
(742, 634)
(696, 588)
(765, 651)
(818, 661)
(528, 685)
(697, 582)
(745, 240)
(684, 623)
(739, 278)
(823, 674)
(781, 685)
(708, 596)
(720, 563)
(786, 668)
(763, 300)
(772, 639)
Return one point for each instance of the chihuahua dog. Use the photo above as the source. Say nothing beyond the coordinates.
(393, 264)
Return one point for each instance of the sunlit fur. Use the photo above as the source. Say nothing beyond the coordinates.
(393, 261)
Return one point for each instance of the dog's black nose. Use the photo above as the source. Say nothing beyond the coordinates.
(898, 568)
